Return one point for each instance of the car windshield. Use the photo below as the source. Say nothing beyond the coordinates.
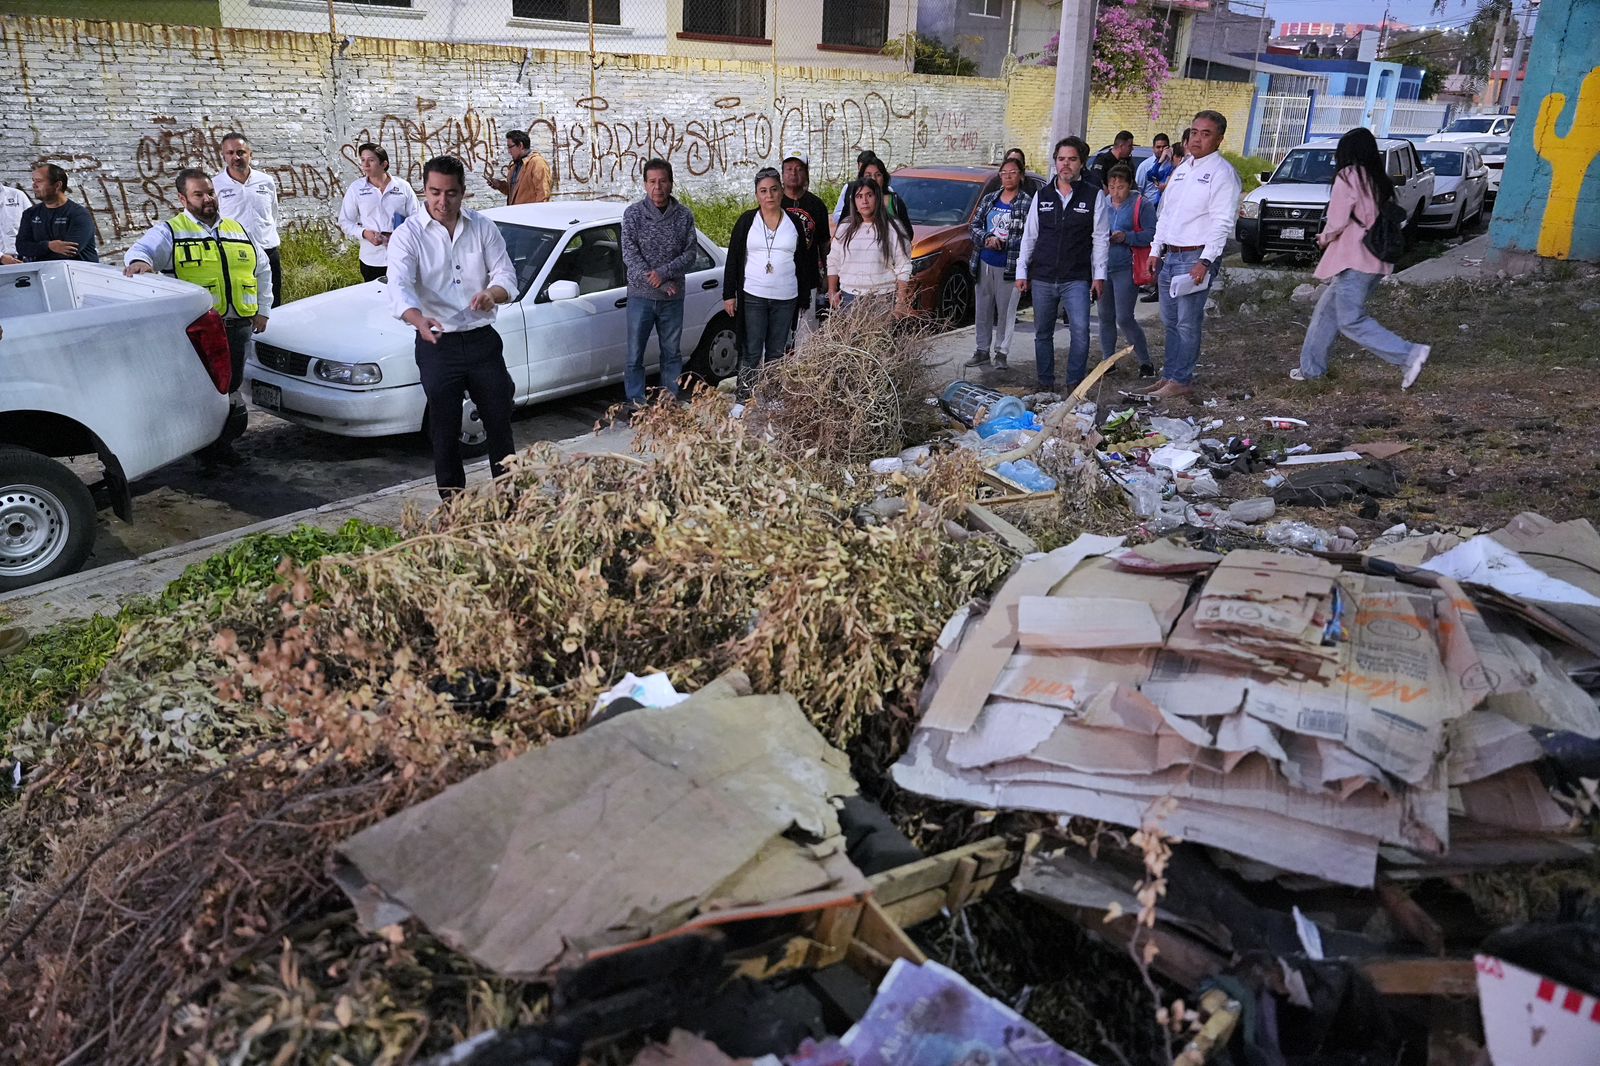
(1307, 166)
(528, 248)
(1470, 125)
(937, 201)
(1444, 164)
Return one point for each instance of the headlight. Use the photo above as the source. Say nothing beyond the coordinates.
(1250, 209)
(923, 262)
(349, 373)
(1444, 198)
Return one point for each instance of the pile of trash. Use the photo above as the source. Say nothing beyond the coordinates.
(1306, 718)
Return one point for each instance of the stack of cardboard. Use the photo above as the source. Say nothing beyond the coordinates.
(1303, 717)
(1272, 615)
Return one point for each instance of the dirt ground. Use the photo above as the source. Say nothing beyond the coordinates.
(1503, 419)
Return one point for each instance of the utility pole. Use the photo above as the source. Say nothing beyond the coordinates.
(1070, 116)
(1513, 83)
(1495, 51)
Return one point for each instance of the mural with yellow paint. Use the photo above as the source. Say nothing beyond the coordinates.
(1570, 158)
(1549, 202)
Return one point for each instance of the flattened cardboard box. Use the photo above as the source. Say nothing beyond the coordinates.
(623, 832)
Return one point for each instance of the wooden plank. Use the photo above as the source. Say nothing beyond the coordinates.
(955, 896)
(914, 910)
(1422, 977)
(902, 882)
(880, 933)
(1014, 538)
(832, 936)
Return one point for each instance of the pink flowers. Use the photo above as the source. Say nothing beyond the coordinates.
(1127, 56)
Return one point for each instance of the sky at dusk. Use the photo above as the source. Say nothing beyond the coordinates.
(1415, 12)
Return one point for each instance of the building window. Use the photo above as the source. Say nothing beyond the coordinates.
(855, 23)
(379, 3)
(606, 12)
(989, 9)
(726, 18)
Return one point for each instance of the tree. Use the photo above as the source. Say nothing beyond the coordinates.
(1124, 60)
(930, 55)
(1433, 72)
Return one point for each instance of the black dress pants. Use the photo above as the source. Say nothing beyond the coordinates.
(472, 362)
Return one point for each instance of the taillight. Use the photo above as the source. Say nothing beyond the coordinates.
(210, 339)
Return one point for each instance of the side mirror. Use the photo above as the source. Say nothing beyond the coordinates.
(1266, 176)
(563, 290)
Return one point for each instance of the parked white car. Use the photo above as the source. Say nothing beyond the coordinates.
(134, 370)
(1289, 209)
(1460, 185)
(1477, 128)
(1493, 153)
(340, 362)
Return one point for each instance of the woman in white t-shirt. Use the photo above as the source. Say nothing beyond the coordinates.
(770, 270)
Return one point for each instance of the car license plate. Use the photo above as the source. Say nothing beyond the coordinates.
(1293, 233)
(267, 396)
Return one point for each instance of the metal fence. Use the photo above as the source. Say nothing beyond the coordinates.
(1283, 125)
(1285, 121)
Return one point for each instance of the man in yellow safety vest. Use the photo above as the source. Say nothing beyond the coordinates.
(217, 254)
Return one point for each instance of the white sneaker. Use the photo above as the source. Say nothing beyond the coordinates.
(1419, 359)
(1296, 375)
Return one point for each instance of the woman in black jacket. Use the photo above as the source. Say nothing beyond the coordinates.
(894, 207)
(770, 269)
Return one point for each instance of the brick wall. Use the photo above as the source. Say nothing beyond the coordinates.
(124, 107)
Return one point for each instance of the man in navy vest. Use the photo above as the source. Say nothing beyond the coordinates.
(1066, 244)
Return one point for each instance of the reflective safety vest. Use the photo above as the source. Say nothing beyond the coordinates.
(224, 265)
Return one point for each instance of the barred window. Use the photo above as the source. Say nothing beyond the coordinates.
(855, 23)
(606, 12)
(726, 18)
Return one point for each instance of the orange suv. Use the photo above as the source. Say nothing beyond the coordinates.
(942, 201)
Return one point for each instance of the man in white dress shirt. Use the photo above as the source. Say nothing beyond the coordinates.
(1196, 218)
(250, 198)
(448, 268)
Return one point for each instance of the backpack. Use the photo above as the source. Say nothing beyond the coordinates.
(1386, 237)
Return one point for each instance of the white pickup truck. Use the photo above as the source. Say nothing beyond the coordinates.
(1288, 210)
(134, 370)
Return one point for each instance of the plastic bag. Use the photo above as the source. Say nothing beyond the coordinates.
(1301, 536)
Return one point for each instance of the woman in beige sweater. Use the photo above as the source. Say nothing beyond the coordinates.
(869, 257)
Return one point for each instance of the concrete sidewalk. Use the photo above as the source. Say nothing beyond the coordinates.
(104, 589)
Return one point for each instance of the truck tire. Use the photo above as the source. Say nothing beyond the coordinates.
(1250, 252)
(47, 519)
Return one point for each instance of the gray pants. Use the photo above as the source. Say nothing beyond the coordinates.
(997, 309)
(1342, 308)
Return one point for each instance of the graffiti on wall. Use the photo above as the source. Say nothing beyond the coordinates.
(1570, 158)
(605, 146)
(125, 204)
(412, 140)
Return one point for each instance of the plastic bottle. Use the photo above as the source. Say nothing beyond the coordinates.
(1027, 474)
(1000, 423)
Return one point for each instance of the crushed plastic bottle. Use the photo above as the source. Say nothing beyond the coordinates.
(1000, 423)
(1301, 536)
(1026, 473)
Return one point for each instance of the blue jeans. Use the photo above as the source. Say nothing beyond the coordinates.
(1048, 299)
(1342, 308)
(1183, 317)
(1118, 300)
(667, 318)
(765, 334)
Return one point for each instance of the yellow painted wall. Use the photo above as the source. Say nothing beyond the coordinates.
(1032, 96)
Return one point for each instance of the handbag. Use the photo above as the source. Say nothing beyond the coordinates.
(1142, 274)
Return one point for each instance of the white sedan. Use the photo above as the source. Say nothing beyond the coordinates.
(340, 362)
(1460, 185)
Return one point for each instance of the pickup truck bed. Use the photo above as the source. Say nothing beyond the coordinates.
(94, 363)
